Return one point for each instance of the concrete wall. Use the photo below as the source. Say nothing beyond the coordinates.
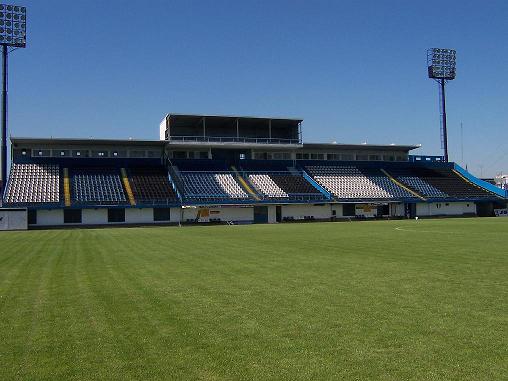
(100, 217)
(175, 214)
(272, 214)
(397, 210)
(139, 216)
(94, 216)
(237, 214)
(445, 208)
(50, 217)
(299, 211)
(338, 210)
(246, 214)
(13, 219)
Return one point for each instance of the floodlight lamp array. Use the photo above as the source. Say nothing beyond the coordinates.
(12, 25)
(441, 63)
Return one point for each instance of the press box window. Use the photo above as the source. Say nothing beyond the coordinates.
(180, 155)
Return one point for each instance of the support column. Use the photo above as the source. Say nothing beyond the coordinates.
(445, 132)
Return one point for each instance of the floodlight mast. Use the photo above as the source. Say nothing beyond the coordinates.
(441, 66)
(12, 34)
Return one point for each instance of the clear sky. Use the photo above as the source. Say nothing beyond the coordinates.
(355, 71)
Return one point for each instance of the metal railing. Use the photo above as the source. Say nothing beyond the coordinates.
(217, 139)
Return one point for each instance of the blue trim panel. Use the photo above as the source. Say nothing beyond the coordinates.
(485, 185)
(316, 185)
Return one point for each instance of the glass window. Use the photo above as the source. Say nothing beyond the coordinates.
(180, 155)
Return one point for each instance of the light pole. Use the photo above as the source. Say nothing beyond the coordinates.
(12, 36)
(441, 68)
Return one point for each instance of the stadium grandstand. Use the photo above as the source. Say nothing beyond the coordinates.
(208, 168)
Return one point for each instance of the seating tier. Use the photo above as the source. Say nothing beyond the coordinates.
(33, 183)
(151, 185)
(211, 186)
(348, 182)
(97, 185)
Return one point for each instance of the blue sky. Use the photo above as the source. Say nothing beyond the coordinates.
(355, 71)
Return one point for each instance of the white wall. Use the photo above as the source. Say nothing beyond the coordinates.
(397, 210)
(189, 213)
(13, 219)
(445, 208)
(139, 216)
(162, 129)
(224, 213)
(299, 211)
(338, 210)
(94, 216)
(236, 214)
(50, 217)
(100, 216)
(272, 214)
(175, 214)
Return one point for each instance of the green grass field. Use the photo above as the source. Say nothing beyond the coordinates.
(387, 300)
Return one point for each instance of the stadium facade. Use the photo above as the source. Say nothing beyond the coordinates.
(208, 168)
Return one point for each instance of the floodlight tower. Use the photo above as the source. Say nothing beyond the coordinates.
(12, 37)
(441, 68)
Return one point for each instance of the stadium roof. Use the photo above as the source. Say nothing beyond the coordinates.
(380, 147)
(126, 142)
(77, 141)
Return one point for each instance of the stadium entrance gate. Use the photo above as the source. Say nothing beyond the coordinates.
(410, 210)
(278, 213)
(260, 214)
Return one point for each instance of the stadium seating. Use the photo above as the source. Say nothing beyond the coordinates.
(283, 185)
(417, 184)
(438, 183)
(294, 184)
(151, 185)
(33, 183)
(266, 186)
(348, 182)
(269, 180)
(211, 186)
(97, 185)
